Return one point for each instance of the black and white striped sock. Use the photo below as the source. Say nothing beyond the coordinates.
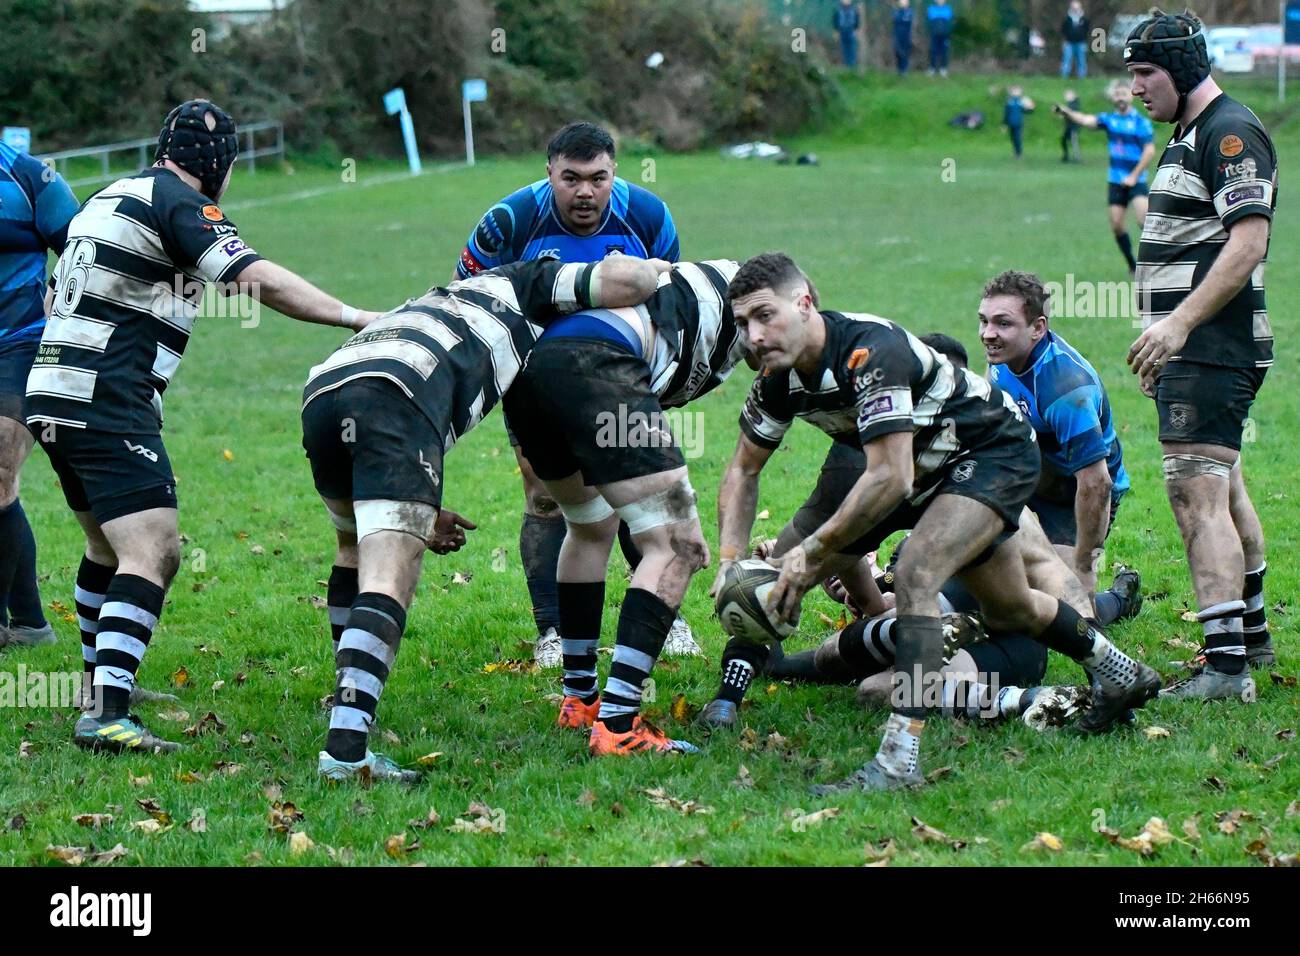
(340, 593)
(581, 605)
(1225, 648)
(367, 649)
(127, 618)
(867, 646)
(92, 584)
(643, 625)
(1254, 624)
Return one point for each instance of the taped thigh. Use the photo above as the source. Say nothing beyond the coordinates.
(670, 506)
(587, 512)
(1182, 467)
(379, 514)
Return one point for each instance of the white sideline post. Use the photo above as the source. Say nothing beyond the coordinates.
(471, 91)
(395, 102)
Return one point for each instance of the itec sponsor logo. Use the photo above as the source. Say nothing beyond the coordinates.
(1246, 169)
(76, 909)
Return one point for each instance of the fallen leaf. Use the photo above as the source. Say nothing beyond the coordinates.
(937, 774)
(18, 821)
(208, 722)
(1190, 829)
(432, 820)
(880, 853)
(660, 798)
(150, 826)
(763, 515)
(681, 709)
(802, 821)
(95, 821)
(175, 716)
(617, 809)
(282, 817)
(1044, 841)
(108, 857)
(1012, 755)
(155, 810)
(1293, 809)
(928, 834)
(26, 748)
(1285, 734)
(299, 843)
(461, 578)
(428, 760)
(772, 688)
(228, 768)
(1214, 783)
(512, 665)
(748, 739)
(1281, 681)
(227, 454)
(71, 855)
(257, 550)
(247, 737)
(1230, 820)
(586, 798)
(392, 738)
(744, 779)
(1272, 762)
(181, 677)
(1155, 733)
(139, 781)
(198, 821)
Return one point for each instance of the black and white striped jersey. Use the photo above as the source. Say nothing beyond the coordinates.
(697, 343)
(1222, 168)
(876, 378)
(456, 350)
(126, 292)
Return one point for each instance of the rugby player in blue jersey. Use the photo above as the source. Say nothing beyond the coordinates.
(1129, 141)
(36, 206)
(581, 212)
(1083, 476)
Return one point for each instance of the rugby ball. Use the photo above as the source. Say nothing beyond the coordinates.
(741, 603)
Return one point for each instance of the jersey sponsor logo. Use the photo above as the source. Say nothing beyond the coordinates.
(1231, 145)
(859, 358)
(210, 212)
(617, 249)
(1181, 416)
(1023, 406)
(880, 406)
(471, 265)
(234, 247)
(549, 254)
(1244, 194)
(963, 471)
(141, 450)
(1246, 169)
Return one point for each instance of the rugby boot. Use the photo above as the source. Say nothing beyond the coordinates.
(644, 737)
(718, 714)
(1213, 684)
(1128, 584)
(373, 766)
(119, 735)
(680, 641)
(576, 714)
(548, 652)
(1111, 702)
(870, 778)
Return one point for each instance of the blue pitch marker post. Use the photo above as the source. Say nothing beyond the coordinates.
(471, 91)
(395, 102)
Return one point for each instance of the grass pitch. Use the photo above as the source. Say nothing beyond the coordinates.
(905, 218)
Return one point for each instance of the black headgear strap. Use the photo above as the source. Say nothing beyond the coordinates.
(205, 153)
(1176, 44)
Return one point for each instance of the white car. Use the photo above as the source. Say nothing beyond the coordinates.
(1229, 49)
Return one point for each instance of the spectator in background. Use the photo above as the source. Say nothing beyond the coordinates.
(1013, 117)
(1070, 135)
(846, 20)
(1074, 40)
(903, 35)
(938, 19)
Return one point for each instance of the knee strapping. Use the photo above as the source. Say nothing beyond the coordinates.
(588, 512)
(411, 517)
(670, 506)
(1180, 467)
(345, 523)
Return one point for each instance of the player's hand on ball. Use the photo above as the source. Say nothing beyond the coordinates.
(724, 566)
(798, 574)
(449, 532)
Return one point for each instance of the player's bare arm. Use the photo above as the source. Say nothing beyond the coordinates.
(737, 504)
(622, 281)
(1092, 519)
(1086, 120)
(292, 295)
(885, 483)
(1148, 154)
(1245, 249)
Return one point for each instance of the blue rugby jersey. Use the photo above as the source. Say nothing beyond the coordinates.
(36, 206)
(525, 226)
(1063, 398)
(1126, 134)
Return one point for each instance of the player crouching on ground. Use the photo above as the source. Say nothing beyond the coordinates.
(121, 307)
(596, 370)
(378, 416)
(947, 454)
(1009, 666)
